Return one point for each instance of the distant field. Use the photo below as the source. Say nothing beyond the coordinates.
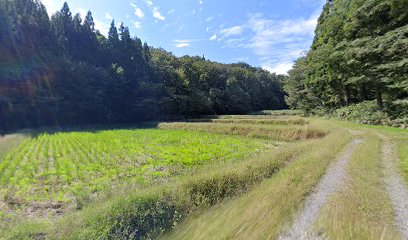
(64, 166)
(289, 130)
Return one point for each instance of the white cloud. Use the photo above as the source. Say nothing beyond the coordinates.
(52, 5)
(209, 19)
(171, 11)
(281, 68)
(138, 12)
(279, 42)
(213, 37)
(157, 14)
(150, 3)
(82, 12)
(137, 25)
(182, 45)
(102, 26)
(226, 32)
(108, 16)
(200, 2)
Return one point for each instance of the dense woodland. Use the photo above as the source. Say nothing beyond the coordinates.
(359, 54)
(60, 70)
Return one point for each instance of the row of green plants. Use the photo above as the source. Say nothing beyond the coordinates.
(62, 166)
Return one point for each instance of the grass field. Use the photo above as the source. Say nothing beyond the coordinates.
(229, 177)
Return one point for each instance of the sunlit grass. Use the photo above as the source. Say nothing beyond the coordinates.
(402, 145)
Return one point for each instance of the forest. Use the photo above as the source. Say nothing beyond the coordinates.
(60, 70)
(359, 57)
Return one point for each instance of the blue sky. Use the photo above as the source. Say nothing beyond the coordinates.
(267, 33)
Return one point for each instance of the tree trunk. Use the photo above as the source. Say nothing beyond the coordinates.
(363, 94)
(347, 95)
(378, 97)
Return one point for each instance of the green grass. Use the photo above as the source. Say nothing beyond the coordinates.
(64, 166)
(8, 142)
(402, 146)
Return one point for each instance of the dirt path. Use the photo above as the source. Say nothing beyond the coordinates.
(396, 187)
(330, 182)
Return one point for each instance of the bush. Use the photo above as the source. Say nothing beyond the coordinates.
(367, 113)
(364, 112)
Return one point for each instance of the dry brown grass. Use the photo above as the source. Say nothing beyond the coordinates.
(273, 132)
(289, 121)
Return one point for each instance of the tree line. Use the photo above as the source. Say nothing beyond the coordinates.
(60, 70)
(359, 53)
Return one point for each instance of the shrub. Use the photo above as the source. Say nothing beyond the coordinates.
(365, 112)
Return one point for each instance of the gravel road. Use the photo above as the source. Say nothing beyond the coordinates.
(330, 182)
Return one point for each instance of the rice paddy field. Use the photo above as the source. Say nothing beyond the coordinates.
(60, 167)
(223, 177)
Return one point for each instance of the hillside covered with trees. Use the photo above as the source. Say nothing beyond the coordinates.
(359, 56)
(60, 70)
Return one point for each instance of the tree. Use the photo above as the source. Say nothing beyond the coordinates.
(358, 54)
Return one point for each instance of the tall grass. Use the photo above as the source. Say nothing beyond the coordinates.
(273, 132)
(286, 112)
(290, 121)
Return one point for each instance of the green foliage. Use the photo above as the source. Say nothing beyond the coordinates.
(64, 72)
(365, 112)
(368, 113)
(359, 54)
